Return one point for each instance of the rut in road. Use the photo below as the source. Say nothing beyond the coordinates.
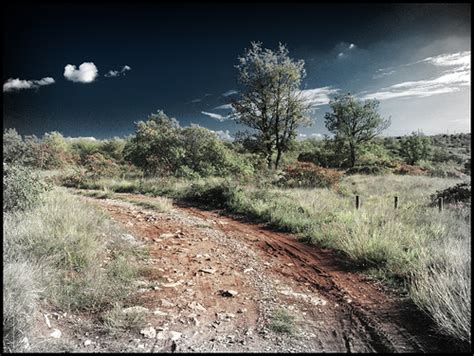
(340, 309)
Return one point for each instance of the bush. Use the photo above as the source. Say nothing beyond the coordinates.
(309, 175)
(282, 322)
(99, 166)
(371, 170)
(214, 193)
(446, 170)
(116, 320)
(459, 193)
(14, 148)
(21, 188)
(405, 169)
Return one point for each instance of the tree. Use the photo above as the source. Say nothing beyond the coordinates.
(415, 147)
(271, 102)
(354, 123)
(156, 145)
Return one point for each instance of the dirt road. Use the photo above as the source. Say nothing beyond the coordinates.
(199, 258)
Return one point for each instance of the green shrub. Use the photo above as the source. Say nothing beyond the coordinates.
(15, 151)
(282, 322)
(22, 188)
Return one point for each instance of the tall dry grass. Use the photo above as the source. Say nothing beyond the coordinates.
(65, 251)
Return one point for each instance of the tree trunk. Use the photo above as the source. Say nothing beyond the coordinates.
(269, 156)
(353, 155)
(278, 157)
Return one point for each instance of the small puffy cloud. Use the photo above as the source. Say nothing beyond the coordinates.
(19, 84)
(116, 73)
(352, 46)
(86, 73)
(195, 101)
(316, 135)
(230, 92)
(340, 55)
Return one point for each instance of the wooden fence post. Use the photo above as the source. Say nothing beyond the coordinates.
(440, 204)
(357, 202)
(396, 202)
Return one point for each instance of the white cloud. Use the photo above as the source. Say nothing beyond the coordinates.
(116, 73)
(215, 116)
(224, 107)
(195, 101)
(19, 84)
(340, 55)
(230, 92)
(352, 46)
(451, 80)
(318, 96)
(79, 138)
(380, 73)
(224, 135)
(318, 135)
(86, 73)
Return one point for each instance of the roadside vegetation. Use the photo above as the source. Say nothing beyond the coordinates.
(54, 244)
(58, 252)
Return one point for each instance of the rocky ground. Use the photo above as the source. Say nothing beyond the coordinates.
(218, 284)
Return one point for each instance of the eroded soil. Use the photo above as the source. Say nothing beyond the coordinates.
(195, 255)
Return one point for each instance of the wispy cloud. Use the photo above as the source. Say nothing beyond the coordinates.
(223, 107)
(382, 73)
(344, 49)
(318, 96)
(456, 76)
(19, 84)
(86, 73)
(116, 73)
(216, 116)
(195, 101)
(230, 92)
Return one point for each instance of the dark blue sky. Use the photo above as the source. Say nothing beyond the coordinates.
(413, 58)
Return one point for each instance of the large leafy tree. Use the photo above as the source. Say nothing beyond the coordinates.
(354, 123)
(271, 101)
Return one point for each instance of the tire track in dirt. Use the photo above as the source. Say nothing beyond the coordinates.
(351, 314)
(391, 324)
